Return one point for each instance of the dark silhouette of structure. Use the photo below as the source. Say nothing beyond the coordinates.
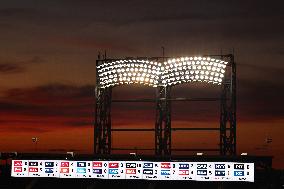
(103, 127)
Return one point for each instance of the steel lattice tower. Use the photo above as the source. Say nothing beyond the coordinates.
(228, 110)
(163, 122)
(163, 100)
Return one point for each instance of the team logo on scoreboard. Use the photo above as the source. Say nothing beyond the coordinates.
(81, 170)
(239, 173)
(64, 170)
(130, 171)
(165, 165)
(97, 164)
(17, 163)
(165, 172)
(148, 172)
(17, 169)
(148, 165)
(97, 171)
(48, 170)
(239, 166)
(64, 164)
(130, 165)
(81, 164)
(183, 166)
(202, 172)
(219, 173)
(183, 172)
(113, 171)
(201, 166)
(220, 166)
(33, 169)
(113, 165)
(32, 163)
(49, 164)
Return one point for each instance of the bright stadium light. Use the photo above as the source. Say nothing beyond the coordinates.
(173, 71)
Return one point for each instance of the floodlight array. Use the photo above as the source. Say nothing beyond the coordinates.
(174, 71)
(191, 69)
(128, 72)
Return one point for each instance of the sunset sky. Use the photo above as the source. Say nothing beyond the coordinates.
(48, 51)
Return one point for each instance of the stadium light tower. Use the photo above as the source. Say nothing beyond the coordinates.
(163, 75)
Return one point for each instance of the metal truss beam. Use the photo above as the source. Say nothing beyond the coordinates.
(228, 110)
(102, 127)
(163, 122)
(176, 149)
(102, 131)
(173, 129)
(163, 99)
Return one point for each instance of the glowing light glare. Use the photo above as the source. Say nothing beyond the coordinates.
(172, 72)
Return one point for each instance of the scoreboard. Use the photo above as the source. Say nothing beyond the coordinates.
(197, 171)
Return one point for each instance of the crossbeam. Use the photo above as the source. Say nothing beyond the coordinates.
(163, 99)
(173, 129)
(176, 149)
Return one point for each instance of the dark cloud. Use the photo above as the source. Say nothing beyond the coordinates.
(94, 43)
(18, 12)
(260, 100)
(8, 106)
(21, 109)
(10, 68)
(33, 60)
(14, 67)
(49, 100)
(180, 9)
(51, 93)
(5, 26)
(80, 123)
(62, 90)
(263, 70)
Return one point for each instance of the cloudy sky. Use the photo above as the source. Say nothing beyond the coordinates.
(48, 51)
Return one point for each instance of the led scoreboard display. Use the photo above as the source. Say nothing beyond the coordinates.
(197, 171)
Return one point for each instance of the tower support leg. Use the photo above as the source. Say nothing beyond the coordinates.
(102, 131)
(163, 122)
(228, 110)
